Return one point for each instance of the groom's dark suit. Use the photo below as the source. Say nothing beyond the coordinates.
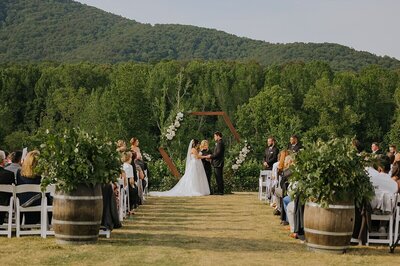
(218, 164)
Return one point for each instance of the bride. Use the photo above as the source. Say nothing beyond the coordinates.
(194, 181)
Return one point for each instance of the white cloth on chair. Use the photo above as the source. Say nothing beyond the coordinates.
(385, 189)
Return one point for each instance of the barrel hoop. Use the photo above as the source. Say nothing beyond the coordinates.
(312, 204)
(55, 221)
(327, 247)
(319, 232)
(65, 197)
(76, 236)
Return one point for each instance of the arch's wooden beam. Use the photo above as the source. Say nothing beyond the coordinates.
(169, 162)
(226, 119)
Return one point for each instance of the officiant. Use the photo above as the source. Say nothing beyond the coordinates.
(204, 150)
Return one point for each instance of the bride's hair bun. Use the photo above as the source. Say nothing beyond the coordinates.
(195, 142)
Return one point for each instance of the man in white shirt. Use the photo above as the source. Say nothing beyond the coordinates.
(385, 186)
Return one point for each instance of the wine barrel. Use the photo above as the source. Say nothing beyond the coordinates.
(77, 215)
(328, 229)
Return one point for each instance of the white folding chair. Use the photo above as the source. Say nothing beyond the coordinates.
(104, 232)
(6, 229)
(376, 237)
(122, 200)
(139, 185)
(264, 181)
(146, 188)
(47, 229)
(397, 220)
(19, 210)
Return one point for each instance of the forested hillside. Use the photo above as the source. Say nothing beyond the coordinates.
(67, 31)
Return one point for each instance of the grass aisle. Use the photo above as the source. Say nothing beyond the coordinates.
(215, 230)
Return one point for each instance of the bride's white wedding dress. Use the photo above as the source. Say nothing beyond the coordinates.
(193, 182)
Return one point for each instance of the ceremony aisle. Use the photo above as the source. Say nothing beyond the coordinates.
(215, 230)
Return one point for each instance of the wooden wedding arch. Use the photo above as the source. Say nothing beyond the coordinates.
(228, 122)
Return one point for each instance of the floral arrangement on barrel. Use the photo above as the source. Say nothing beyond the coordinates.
(171, 131)
(331, 171)
(241, 157)
(74, 157)
(330, 178)
(80, 165)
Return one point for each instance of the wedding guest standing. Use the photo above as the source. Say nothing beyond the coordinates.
(139, 159)
(206, 162)
(270, 154)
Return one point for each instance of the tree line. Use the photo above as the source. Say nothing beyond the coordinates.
(139, 99)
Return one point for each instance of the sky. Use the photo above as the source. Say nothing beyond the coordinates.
(365, 25)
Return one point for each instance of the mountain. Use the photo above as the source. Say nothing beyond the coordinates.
(67, 31)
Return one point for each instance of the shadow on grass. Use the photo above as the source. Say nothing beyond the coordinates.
(163, 227)
(222, 244)
(225, 244)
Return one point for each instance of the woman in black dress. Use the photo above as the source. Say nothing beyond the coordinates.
(206, 162)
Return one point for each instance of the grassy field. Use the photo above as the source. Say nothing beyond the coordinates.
(216, 230)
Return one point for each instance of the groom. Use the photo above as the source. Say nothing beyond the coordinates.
(218, 161)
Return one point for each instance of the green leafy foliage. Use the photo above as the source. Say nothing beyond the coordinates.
(72, 157)
(331, 172)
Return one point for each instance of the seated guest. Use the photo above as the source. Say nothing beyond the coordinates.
(395, 171)
(6, 178)
(384, 185)
(15, 164)
(284, 185)
(27, 176)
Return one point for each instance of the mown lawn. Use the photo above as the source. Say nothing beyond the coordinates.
(216, 230)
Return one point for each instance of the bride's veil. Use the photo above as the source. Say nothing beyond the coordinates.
(188, 155)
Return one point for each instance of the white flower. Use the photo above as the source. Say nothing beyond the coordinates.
(42, 145)
(235, 167)
(47, 131)
(177, 124)
(179, 115)
(76, 150)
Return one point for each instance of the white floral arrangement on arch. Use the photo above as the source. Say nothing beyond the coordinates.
(242, 156)
(171, 131)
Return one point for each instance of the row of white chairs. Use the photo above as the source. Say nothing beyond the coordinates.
(124, 195)
(15, 211)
